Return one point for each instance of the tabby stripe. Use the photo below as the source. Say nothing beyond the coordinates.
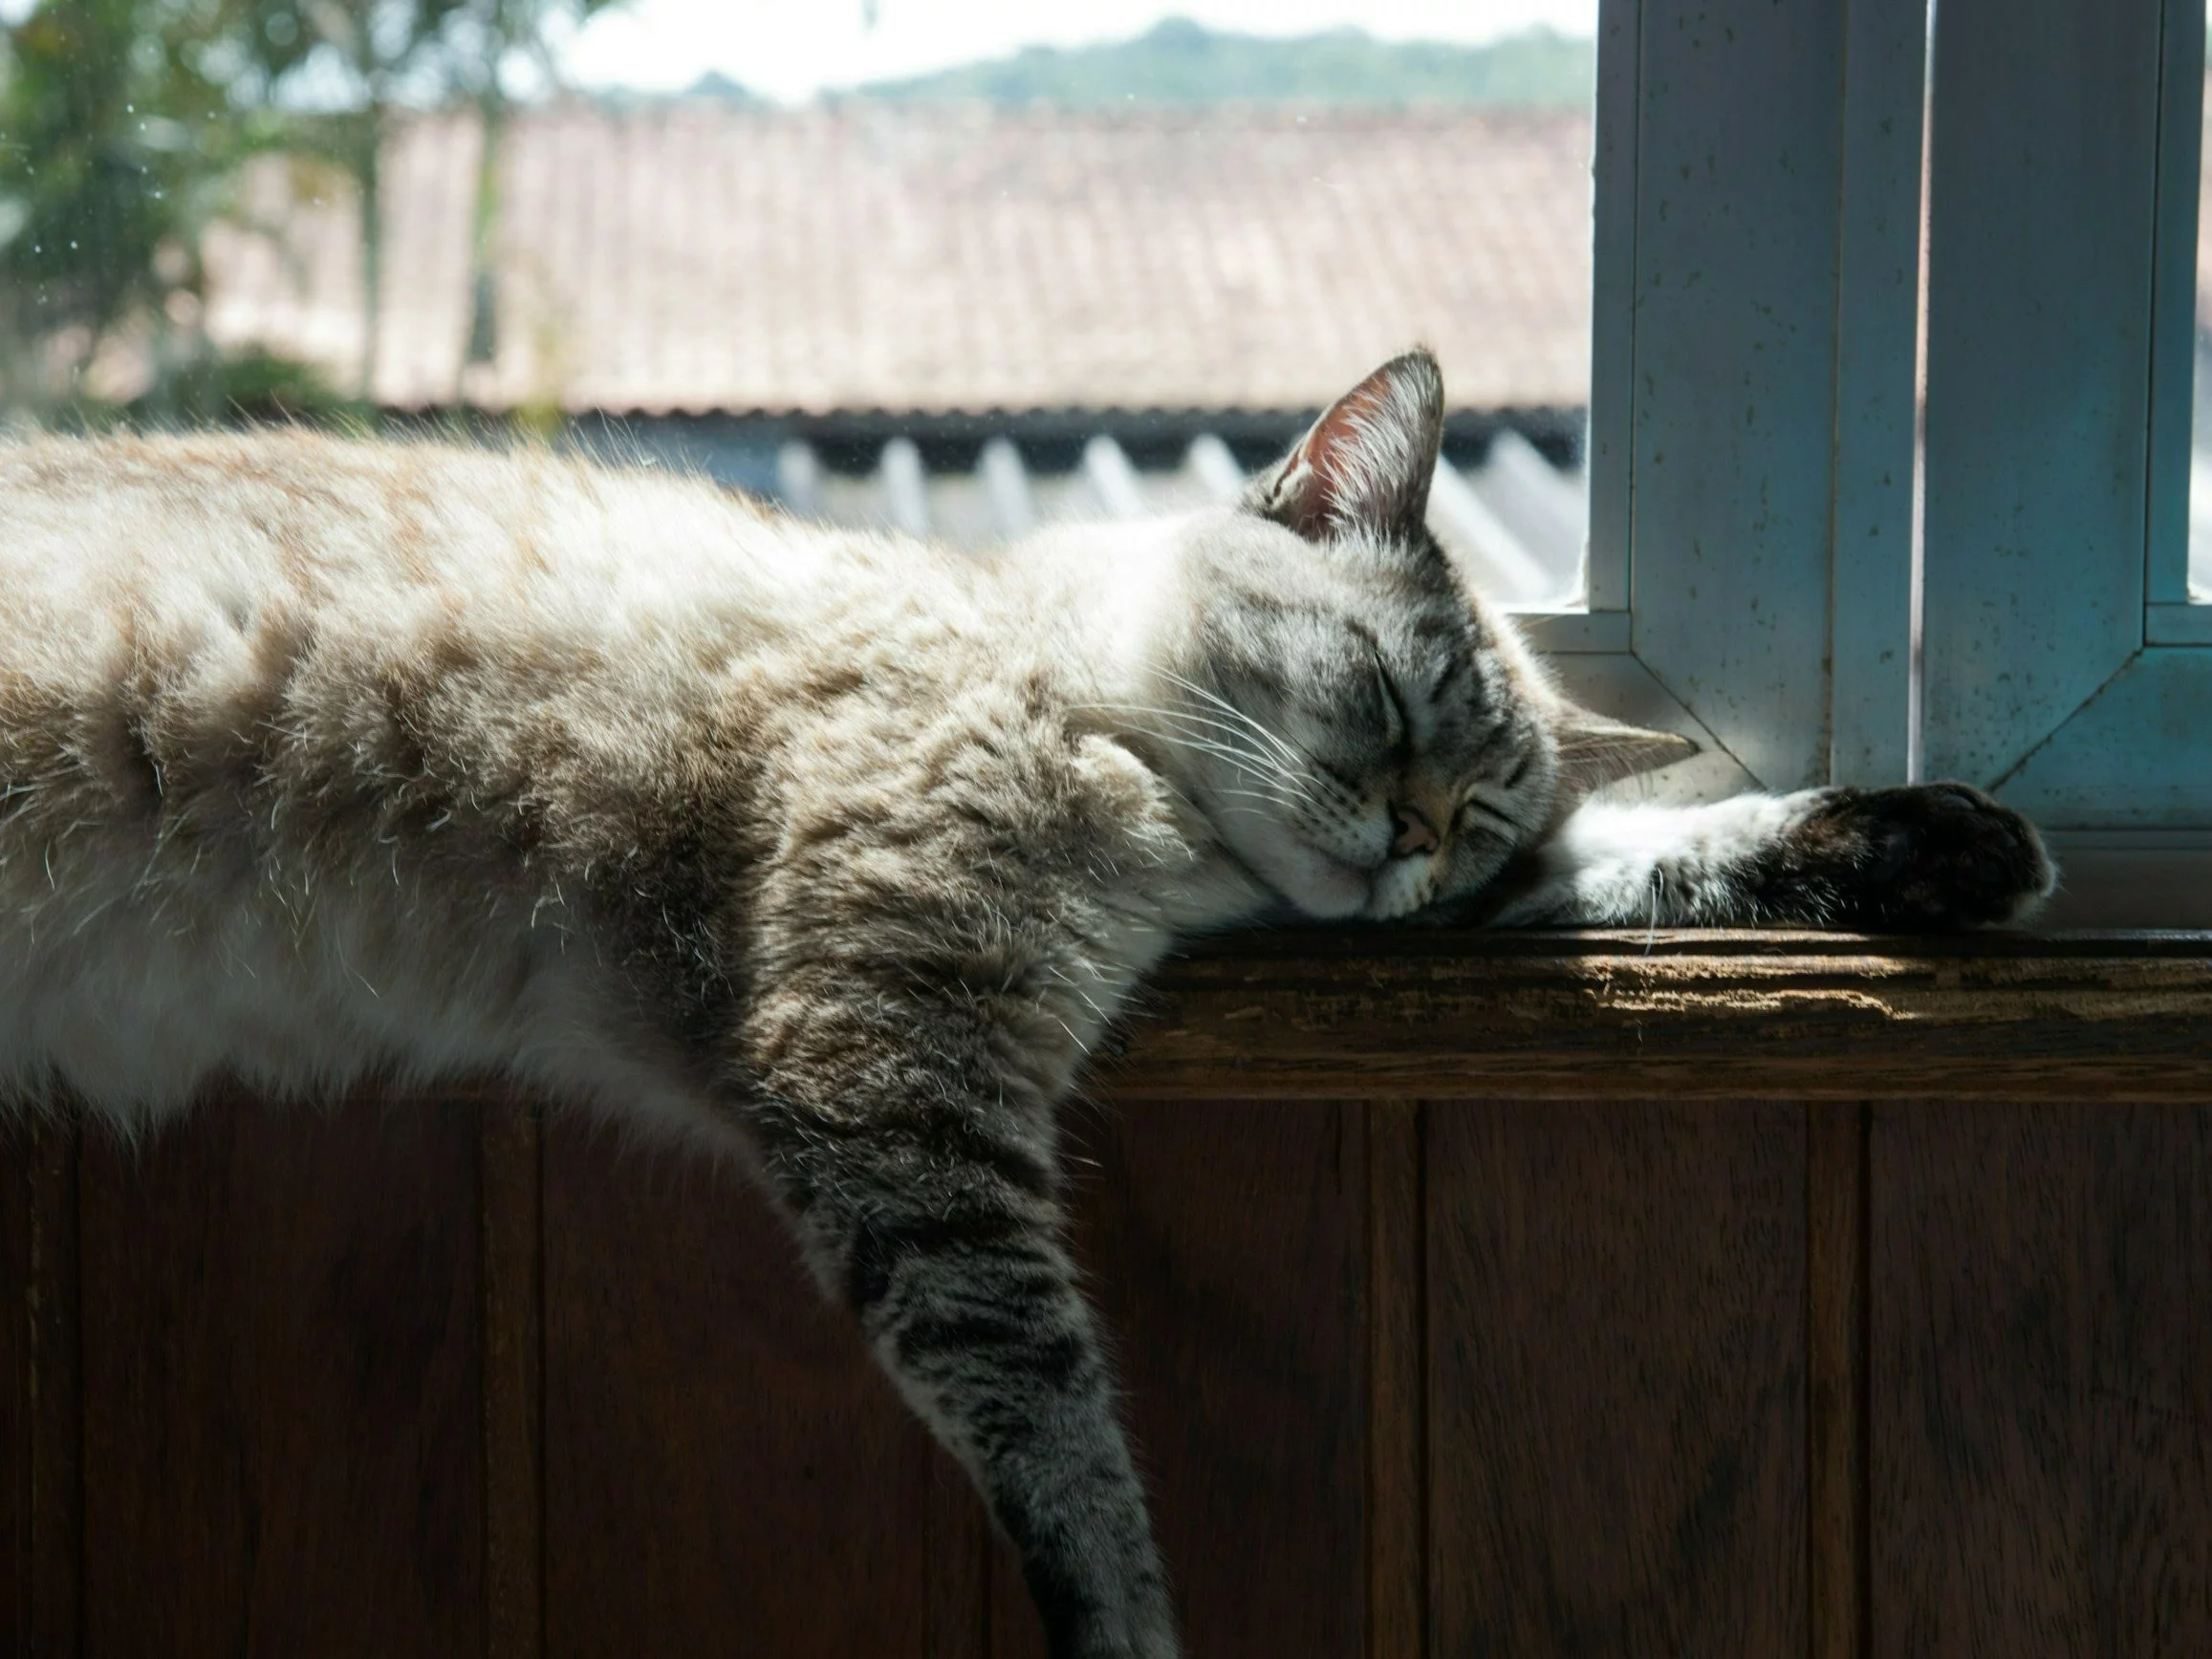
(878, 1247)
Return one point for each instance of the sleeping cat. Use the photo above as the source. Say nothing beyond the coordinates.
(324, 760)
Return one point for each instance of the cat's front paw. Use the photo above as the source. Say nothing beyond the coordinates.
(1928, 855)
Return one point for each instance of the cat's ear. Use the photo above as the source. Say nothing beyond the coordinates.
(1594, 752)
(1366, 464)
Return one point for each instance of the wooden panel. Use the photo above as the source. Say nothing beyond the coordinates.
(17, 1150)
(1836, 1178)
(282, 1386)
(1398, 1382)
(2042, 1380)
(55, 1334)
(726, 1469)
(513, 1382)
(1616, 1392)
(1228, 1248)
(41, 1492)
(2040, 286)
(1424, 1014)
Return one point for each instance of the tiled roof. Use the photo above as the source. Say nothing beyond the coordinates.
(702, 258)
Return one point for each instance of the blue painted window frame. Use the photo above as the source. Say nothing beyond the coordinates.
(2064, 669)
(1754, 504)
(1752, 391)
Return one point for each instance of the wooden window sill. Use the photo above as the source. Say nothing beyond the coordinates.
(1404, 1013)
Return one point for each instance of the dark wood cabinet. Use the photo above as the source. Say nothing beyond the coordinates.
(1705, 1294)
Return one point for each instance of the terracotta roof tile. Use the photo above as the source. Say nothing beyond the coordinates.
(702, 258)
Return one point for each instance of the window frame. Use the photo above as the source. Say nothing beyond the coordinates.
(1758, 414)
(2062, 658)
(2115, 773)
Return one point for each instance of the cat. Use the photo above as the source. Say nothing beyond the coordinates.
(325, 762)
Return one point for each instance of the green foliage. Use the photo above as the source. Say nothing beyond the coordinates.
(116, 128)
(252, 385)
(124, 125)
(1180, 62)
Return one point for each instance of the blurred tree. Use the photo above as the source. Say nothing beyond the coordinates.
(124, 124)
(119, 120)
(366, 61)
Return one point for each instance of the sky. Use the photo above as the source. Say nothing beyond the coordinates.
(791, 48)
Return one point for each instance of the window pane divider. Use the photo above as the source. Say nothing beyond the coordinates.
(2176, 624)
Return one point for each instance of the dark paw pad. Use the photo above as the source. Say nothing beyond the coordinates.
(1935, 855)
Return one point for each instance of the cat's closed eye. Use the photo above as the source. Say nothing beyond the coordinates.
(1397, 723)
(1478, 813)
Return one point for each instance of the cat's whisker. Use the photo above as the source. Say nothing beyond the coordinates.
(1283, 747)
(1246, 761)
(1184, 717)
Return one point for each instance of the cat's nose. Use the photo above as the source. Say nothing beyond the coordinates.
(1414, 832)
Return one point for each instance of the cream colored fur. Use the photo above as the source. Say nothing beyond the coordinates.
(319, 759)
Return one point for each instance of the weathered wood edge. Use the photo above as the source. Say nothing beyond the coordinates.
(1408, 942)
(1426, 1014)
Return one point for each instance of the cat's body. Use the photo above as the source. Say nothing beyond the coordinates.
(324, 759)
(322, 762)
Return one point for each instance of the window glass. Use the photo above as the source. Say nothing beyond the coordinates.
(955, 268)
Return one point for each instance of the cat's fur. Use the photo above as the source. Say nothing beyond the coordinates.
(323, 762)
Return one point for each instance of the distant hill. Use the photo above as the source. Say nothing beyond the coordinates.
(1179, 62)
(714, 85)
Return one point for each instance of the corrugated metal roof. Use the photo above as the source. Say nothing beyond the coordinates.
(698, 258)
(1511, 519)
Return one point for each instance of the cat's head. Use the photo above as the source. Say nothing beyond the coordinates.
(1365, 734)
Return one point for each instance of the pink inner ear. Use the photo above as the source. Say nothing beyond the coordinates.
(1367, 459)
(1305, 488)
(1330, 447)
(1322, 454)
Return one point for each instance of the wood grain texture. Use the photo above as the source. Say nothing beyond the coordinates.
(1511, 1375)
(17, 1152)
(43, 1591)
(726, 1471)
(1836, 1177)
(283, 1384)
(1397, 1379)
(513, 1381)
(1617, 1390)
(2041, 1380)
(38, 1404)
(1227, 1246)
(1383, 1013)
(53, 1511)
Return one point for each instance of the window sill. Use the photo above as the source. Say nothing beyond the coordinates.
(1416, 1014)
